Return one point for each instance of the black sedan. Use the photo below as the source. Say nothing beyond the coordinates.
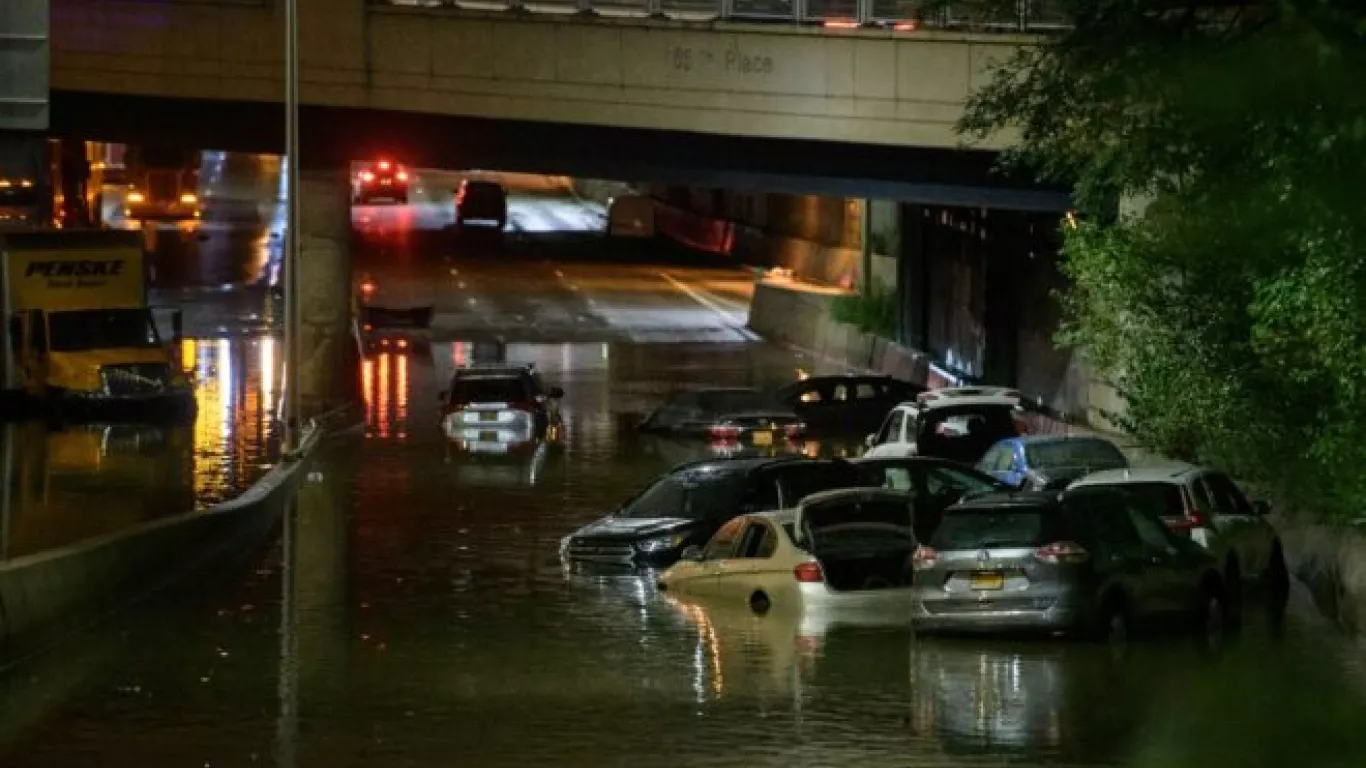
(846, 404)
(737, 416)
(687, 505)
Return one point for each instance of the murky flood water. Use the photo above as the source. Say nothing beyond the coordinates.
(71, 482)
(426, 621)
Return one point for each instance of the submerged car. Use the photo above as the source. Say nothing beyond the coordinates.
(838, 550)
(688, 504)
(740, 416)
(846, 404)
(1207, 507)
(956, 423)
(1049, 462)
(498, 408)
(1083, 562)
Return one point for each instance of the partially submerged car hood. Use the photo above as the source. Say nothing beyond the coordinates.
(633, 527)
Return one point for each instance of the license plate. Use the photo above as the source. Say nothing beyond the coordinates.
(988, 580)
(488, 437)
(762, 438)
(488, 416)
(489, 447)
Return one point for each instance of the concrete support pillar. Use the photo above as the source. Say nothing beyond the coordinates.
(328, 367)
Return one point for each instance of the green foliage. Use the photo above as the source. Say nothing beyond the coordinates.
(1231, 315)
(873, 313)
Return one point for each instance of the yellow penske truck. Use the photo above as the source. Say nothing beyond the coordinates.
(81, 342)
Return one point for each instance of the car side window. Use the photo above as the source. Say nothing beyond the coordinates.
(722, 544)
(1110, 521)
(812, 395)
(1227, 497)
(758, 542)
(866, 391)
(891, 427)
(1200, 495)
(762, 494)
(896, 479)
(1152, 533)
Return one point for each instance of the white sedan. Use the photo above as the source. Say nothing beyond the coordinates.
(843, 551)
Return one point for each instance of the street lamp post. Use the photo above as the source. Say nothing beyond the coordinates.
(291, 255)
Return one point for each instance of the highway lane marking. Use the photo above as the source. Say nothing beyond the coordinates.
(735, 324)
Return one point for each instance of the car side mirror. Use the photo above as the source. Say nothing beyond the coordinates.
(556, 392)
(693, 553)
(1261, 508)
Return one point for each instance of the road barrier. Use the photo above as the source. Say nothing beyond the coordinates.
(48, 595)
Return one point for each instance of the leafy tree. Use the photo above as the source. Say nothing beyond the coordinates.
(1231, 312)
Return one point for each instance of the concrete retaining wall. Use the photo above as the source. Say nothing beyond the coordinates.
(48, 594)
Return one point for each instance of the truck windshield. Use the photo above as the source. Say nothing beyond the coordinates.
(82, 329)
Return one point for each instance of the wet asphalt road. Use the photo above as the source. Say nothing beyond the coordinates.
(420, 616)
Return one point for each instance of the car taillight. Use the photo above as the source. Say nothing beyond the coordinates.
(924, 557)
(1061, 552)
(1193, 519)
(384, 165)
(402, 175)
(808, 573)
(724, 431)
(367, 176)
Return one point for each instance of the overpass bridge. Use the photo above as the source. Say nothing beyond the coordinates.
(682, 69)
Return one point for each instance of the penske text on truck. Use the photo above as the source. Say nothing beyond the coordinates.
(81, 340)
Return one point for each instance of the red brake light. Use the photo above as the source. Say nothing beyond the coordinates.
(1193, 519)
(1061, 552)
(808, 573)
(367, 176)
(402, 175)
(384, 165)
(924, 557)
(724, 431)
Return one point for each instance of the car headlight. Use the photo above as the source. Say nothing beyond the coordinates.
(661, 543)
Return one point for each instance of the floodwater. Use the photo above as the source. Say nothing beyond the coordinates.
(426, 621)
(415, 613)
(64, 483)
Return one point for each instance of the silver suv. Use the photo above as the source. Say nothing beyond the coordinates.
(1083, 562)
(1208, 508)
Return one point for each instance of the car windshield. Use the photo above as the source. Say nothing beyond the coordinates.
(488, 390)
(692, 495)
(84, 329)
(1160, 499)
(996, 527)
(1084, 452)
(735, 401)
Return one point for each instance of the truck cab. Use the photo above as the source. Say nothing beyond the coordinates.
(80, 336)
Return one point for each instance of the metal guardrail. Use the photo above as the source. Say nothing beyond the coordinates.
(1020, 16)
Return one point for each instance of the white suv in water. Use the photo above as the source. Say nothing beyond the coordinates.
(1209, 508)
(956, 423)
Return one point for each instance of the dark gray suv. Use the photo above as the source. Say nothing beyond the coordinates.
(1082, 562)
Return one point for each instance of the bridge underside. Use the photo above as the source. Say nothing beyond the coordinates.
(331, 136)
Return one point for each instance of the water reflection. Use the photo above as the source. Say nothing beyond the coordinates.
(71, 482)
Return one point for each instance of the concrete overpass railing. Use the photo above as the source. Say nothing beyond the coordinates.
(977, 15)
